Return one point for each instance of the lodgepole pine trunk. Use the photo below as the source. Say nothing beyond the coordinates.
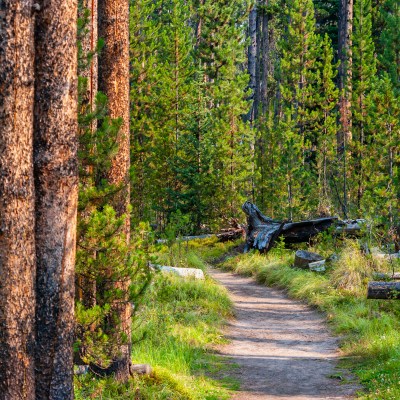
(257, 91)
(264, 59)
(56, 187)
(251, 57)
(344, 135)
(113, 16)
(17, 241)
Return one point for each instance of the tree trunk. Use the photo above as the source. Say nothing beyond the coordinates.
(17, 242)
(56, 186)
(114, 82)
(89, 44)
(344, 135)
(257, 91)
(264, 59)
(251, 57)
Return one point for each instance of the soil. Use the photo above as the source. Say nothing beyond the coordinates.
(282, 348)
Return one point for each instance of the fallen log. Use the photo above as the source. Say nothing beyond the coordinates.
(383, 290)
(263, 231)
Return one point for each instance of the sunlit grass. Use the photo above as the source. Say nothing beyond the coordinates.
(179, 323)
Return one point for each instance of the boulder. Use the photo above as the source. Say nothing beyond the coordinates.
(303, 258)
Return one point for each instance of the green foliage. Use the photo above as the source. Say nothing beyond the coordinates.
(105, 255)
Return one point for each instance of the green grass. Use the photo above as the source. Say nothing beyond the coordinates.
(369, 329)
(179, 322)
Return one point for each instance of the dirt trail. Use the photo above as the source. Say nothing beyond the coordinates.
(282, 347)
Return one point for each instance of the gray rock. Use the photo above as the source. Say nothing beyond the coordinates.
(303, 258)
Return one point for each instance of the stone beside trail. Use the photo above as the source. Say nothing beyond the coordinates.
(282, 347)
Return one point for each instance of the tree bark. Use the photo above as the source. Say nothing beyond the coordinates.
(17, 241)
(114, 82)
(56, 186)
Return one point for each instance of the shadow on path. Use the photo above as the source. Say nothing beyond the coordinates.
(282, 347)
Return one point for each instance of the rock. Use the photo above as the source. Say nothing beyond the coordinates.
(317, 266)
(140, 369)
(195, 273)
(303, 258)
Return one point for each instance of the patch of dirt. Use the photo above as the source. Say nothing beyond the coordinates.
(282, 347)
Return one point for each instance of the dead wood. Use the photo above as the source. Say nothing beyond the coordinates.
(263, 231)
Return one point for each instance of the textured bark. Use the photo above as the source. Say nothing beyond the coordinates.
(113, 17)
(345, 75)
(55, 163)
(17, 244)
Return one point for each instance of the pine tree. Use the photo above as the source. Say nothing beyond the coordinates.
(221, 51)
(17, 220)
(298, 69)
(104, 256)
(381, 159)
(325, 127)
(364, 69)
(390, 41)
(146, 72)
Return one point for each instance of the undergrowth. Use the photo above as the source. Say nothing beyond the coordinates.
(179, 321)
(369, 329)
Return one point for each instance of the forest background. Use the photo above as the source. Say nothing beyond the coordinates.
(291, 104)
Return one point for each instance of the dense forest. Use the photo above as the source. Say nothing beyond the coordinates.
(123, 121)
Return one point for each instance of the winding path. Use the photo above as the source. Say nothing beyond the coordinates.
(282, 347)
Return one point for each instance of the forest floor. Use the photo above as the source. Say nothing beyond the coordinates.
(282, 347)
